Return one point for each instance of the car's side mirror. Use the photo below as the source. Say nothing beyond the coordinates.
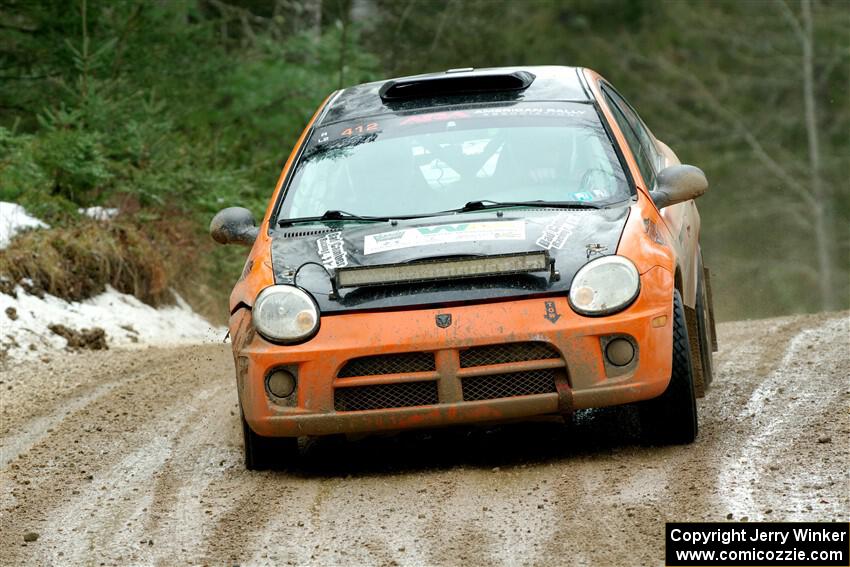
(234, 225)
(678, 183)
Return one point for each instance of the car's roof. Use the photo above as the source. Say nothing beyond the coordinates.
(551, 83)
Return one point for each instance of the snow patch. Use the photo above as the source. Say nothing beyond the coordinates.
(14, 219)
(128, 322)
(99, 213)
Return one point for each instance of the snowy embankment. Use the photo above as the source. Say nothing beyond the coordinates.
(32, 325)
(14, 219)
(36, 325)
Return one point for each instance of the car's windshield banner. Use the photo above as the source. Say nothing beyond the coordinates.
(353, 133)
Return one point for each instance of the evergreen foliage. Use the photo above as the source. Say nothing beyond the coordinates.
(173, 110)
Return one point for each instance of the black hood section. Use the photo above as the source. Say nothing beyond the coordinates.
(309, 256)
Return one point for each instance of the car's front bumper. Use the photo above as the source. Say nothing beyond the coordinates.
(578, 373)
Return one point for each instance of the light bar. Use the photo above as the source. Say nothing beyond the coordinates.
(497, 265)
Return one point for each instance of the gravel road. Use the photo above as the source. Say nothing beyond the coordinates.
(134, 457)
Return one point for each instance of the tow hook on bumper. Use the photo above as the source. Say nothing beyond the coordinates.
(565, 396)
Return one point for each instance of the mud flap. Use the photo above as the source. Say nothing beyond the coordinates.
(696, 352)
(241, 377)
(707, 278)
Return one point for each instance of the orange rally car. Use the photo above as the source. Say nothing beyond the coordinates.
(470, 246)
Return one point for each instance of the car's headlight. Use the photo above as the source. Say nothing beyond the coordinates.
(604, 286)
(285, 313)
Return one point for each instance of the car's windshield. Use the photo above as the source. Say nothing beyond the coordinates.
(398, 165)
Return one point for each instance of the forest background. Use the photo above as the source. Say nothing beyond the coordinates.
(170, 110)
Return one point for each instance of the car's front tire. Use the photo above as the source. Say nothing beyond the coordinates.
(264, 453)
(671, 418)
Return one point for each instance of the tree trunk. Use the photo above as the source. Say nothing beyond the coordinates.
(343, 42)
(313, 16)
(823, 242)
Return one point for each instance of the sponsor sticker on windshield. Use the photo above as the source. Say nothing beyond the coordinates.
(443, 234)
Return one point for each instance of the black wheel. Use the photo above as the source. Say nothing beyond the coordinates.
(706, 339)
(263, 453)
(671, 418)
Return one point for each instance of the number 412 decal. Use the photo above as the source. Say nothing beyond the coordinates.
(370, 127)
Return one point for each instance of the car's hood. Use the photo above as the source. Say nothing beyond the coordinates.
(307, 256)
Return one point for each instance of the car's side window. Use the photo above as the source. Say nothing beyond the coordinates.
(646, 138)
(637, 136)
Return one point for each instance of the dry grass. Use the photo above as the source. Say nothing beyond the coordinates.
(77, 262)
(146, 260)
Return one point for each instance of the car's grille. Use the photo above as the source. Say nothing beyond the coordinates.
(505, 353)
(508, 385)
(388, 364)
(383, 396)
(524, 378)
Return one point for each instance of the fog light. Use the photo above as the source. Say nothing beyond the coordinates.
(620, 352)
(281, 383)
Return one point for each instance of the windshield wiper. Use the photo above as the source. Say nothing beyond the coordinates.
(335, 215)
(487, 204)
(331, 216)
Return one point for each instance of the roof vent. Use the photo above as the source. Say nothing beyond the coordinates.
(455, 82)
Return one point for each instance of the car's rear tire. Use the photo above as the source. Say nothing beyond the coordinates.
(706, 340)
(671, 418)
(264, 453)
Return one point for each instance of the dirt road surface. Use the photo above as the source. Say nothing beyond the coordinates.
(134, 457)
